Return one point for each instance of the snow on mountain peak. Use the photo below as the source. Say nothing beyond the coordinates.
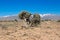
(42, 15)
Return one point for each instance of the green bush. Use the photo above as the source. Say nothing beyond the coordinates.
(22, 14)
(36, 19)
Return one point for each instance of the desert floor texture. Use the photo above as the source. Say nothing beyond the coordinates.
(47, 30)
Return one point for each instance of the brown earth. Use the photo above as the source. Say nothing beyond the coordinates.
(47, 30)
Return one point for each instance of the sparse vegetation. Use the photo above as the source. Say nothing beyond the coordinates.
(32, 33)
(47, 19)
(16, 20)
(4, 27)
(49, 27)
(8, 33)
(42, 20)
(58, 21)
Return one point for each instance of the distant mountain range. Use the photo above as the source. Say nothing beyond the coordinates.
(43, 16)
(9, 17)
(50, 17)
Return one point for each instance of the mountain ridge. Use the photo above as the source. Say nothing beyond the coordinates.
(43, 16)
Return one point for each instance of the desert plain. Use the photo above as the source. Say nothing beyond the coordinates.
(47, 30)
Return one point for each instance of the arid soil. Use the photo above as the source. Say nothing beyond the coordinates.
(47, 30)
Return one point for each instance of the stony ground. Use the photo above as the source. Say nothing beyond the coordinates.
(47, 30)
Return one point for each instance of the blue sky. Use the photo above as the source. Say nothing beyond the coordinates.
(12, 7)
